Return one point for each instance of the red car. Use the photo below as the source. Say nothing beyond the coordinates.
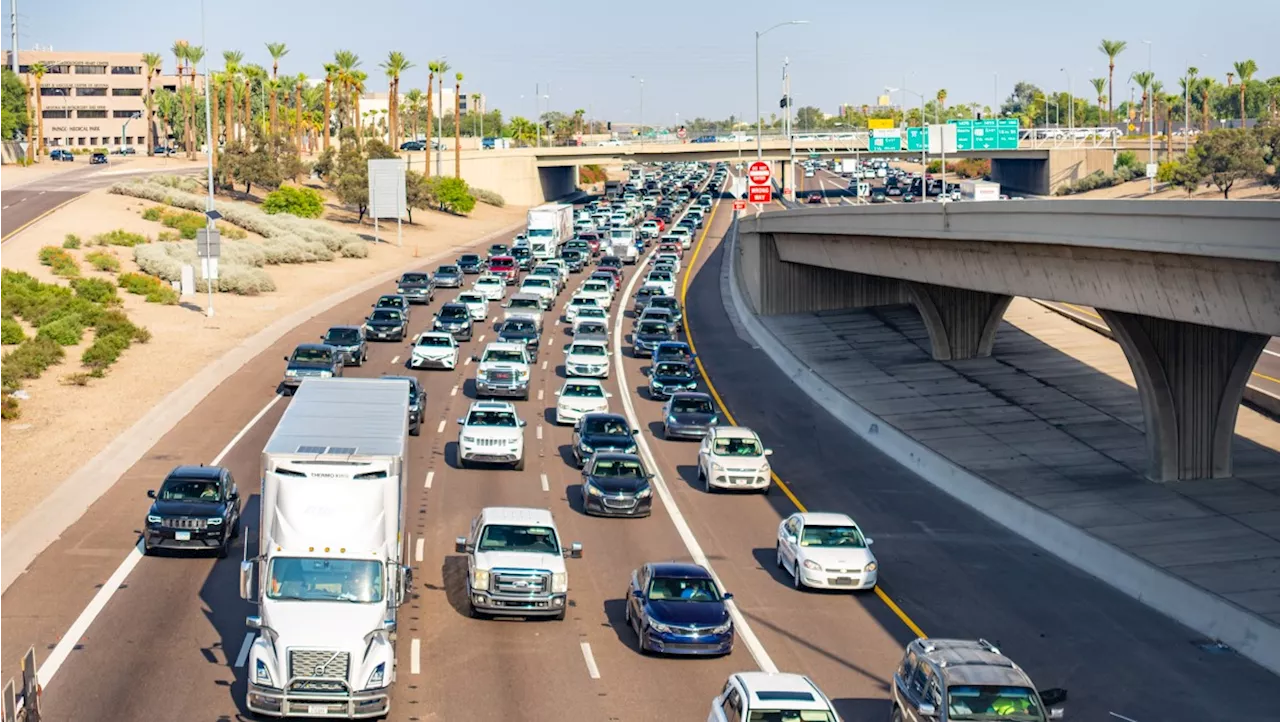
(593, 241)
(815, 197)
(506, 267)
(662, 225)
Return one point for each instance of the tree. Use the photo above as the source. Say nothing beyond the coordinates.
(457, 127)
(1143, 79)
(413, 99)
(37, 71)
(433, 68)
(179, 50)
(277, 51)
(1111, 48)
(1245, 69)
(808, 117)
(16, 117)
(152, 63)
(942, 98)
(1022, 101)
(454, 195)
(195, 54)
(231, 60)
(522, 130)
(419, 192)
(395, 65)
(1100, 90)
(1227, 155)
(475, 105)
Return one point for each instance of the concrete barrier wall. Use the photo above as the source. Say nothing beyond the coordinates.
(12, 151)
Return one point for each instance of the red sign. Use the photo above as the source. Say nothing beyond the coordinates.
(680, 132)
(760, 194)
(759, 173)
(739, 205)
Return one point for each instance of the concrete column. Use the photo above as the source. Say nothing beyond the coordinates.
(961, 323)
(1190, 379)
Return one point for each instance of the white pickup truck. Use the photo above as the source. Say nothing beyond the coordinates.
(515, 563)
(503, 370)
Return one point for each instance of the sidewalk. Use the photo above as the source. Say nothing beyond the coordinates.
(1053, 417)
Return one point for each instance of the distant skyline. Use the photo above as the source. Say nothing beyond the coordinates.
(698, 62)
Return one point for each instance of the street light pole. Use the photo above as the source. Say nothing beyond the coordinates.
(636, 77)
(1151, 125)
(1071, 100)
(209, 140)
(995, 95)
(759, 121)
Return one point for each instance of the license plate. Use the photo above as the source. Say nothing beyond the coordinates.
(182, 536)
(844, 580)
(317, 709)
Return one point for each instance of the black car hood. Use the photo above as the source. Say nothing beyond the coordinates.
(673, 379)
(697, 419)
(684, 614)
(608, 441)
(187, 508)
(386, 323)
(653, 337)
(614, 484)
(453, 321)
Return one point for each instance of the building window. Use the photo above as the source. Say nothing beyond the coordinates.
(57, 69)
(171, 88)
(126, 70)
(126, 91)
(91, 92)
(91, 70)
(93, 140)
(56, 114)
(115, 140)
(123, 113)
(80, 140)
(47, 92)
(91, 114)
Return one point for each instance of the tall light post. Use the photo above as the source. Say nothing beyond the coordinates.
(1186, 109)
(1071, 100)
(636, 77)
(995, 94)
(1151, 125)
(924, 151)
(759, 122)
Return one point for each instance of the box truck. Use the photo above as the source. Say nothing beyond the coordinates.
(330, 573)
(550, 226)
(979, 190)
(849, 167)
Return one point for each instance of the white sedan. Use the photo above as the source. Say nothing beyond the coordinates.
(825, 551)
(575, 305)
(477, 304)
(662, 279)
(578, 397)
(434, 350)
(491, 287)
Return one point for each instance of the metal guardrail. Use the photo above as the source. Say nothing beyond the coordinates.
(1029, 139)
(23, 705)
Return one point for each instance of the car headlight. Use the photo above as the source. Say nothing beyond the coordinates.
(659, 627)
(214, 521)
(723, 628)
(871, 567)
(645, 493)
(559, 583)
(766, 470)
(480, 579)
(671, 420)
(375, 679)
(154, 519)
(811, 564)
(261, 675)
(631, 449)
(584, 447)
(291, 373)
(325, 374)
(592, 489)
(714, 420)
(437, 324)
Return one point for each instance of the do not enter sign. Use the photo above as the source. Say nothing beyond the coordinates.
(759, 173)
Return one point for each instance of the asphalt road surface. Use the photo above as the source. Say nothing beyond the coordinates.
(166, 644)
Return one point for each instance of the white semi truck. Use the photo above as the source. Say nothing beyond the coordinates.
(550, 227)
(979, 190)
(330, 573)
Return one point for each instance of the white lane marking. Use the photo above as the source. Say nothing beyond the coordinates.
(417, 550)
(431, 476)
(454, 392)
(81, 625)
(244, 650)
(415, 656)
(394, 359)
(539, 432)
(481, 338)
(440, 428)
(6, 207)
(1117, 715)
(546, 486)
(540, 394)
(1273, 353)
(592, 670)
(42, 192)
(544, 365)
(557, 322)
(466, 361)
(745, 633)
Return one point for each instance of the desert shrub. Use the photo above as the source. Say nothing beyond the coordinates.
(71, 241)
(153, 289)
(120, 237)
(167, 235)
(66, 331)
(103, 261)
(235, 233)
(162, 260)
(62, 263)
(95, 290)
(154, 213)
(185, 223)
(488, 197)
(1126, 159)
(1124, 174)
(11, 332)
(355, 249)
(935, 166)
(78, 378)
(300, 202)
(28, 361)
(241, 280)
(10, 409)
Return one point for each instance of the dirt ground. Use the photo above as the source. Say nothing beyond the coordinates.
(62, 426)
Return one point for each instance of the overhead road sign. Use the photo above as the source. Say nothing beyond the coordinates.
(880, 123)
(993, 134)
(885, 141)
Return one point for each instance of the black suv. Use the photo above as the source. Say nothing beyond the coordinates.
(417, 402)
(197, 507)
(98, 159)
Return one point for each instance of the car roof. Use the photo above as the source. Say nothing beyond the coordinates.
(966, 661)
(525, 297)
(312, 347)
(731, 432)
(412, 381)
(606, 415)
(579, 380)
(591, 339)
(452, 304)
(194, 471)
(492, 406)
(344, 328)
(772, 684)
(679, 344)
(503, 346)
(826, 518)
(680, 570)
(521, 515)
(690, 395)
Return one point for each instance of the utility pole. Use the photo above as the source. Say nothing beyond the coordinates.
(13, 30)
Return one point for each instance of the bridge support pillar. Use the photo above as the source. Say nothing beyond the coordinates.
(1190, 379)
(961, 323)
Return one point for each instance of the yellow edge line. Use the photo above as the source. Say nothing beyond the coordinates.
(40, 217)
(688, 337)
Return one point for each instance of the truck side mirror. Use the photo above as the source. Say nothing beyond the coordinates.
(151, 493)
(247, 590)
(253, 622)
(575, 550)
(460, 545)
(927, 710)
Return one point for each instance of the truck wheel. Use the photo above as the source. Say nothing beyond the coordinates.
(476, 613)
(559, 617)
(519, 465)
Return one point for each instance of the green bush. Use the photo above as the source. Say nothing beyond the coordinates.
(10, 409)
(1126, 159)
(115, 333)
(935, 166)
(185, 223)
(62, 263)
(66, 331)
(150, 287)
(96, 290)
(488, 197)
(11, 332)
(154, 213)
(300, 202)
(103, 261)
(120, 237)
(1167, 171)
(71, 241)
(28, 361)
(454, 195)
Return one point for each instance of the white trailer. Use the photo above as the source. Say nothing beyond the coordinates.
(849, 167)
(550, 227)
(979, 190)
(330, 573)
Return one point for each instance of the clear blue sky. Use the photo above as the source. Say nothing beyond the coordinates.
(696, 58)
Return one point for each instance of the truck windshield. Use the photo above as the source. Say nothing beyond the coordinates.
(311, 356)
(325, 580)
(508, 538)
(504, 356)
(540, 233)
(523, 303)
(493, 418)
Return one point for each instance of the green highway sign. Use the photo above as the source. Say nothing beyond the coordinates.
(814, 155)
(1007, 133)
(993, 134)
(916, 139)
(884, 141)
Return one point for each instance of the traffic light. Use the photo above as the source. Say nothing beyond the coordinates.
(784, 102)
(548, 125)
(609, 125)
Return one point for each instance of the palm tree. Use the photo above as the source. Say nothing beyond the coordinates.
(1205, 88)
(457, 125)
(1244, 70)
(1143, 80)
(1099, 87)
(153, 62)
(254, 75)
(37, 71)
(195, 54)
(395, 64)
(1111, 48)
(942, 101)
(346, 62)
(330, 70)
(434, 68)
(523, 130)
(232, 60)
(277, 51)
(414, 99)
(299, 81)
(356, 82)
(475, 108)
(179, 51)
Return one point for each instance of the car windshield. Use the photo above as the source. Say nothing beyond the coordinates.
(503, 356)
(737, 447)
(490, 281)
(519, 252)
(471, 298)
(509, 538)
(618, 468)
(832, 536)
(447, 271)
(415, 278)
(503, 263)
(385, 314)
(676, 589)
(691, 406)
(648, 291)
(524, 303)
(436, 341)
(390, 302)
(519, 327)
(468, 258)
(587, 391)
(668, 303)
(536, 283)
(178, 489)
(673, 369)
(607, 426)
(582, 301)
(591, 312)
(311, 356)
(342, 336)
(790, 715)
(501, 419)
(991, 702)
(590, 328)
(656, 327)
(325, 580)
(497, 249)
(595, 287)
(655, 314)
(451, 313)
(587, 349)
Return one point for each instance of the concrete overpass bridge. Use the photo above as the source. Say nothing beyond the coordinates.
(1190, 289)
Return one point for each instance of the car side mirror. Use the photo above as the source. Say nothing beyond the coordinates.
(575, 550)
(460, 545)
(1053, 697)
(523, 423)
(475, 358)
(234, 496)
(461, 421)
(728, 595)
(151, 493)
(557, 392)
(608, 394)
(927, 710)
(1057, 713)
(870, 541)
(286, 358)
(768, 452)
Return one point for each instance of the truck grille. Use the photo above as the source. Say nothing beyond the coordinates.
(500, 376)
(185, 522)
(518, 582)
(319, 664)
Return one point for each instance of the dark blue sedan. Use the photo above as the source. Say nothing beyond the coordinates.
(677, 608)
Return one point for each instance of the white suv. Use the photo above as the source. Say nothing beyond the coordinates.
(733, 457)
(492, 434)
(771, 695)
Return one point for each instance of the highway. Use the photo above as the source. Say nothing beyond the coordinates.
(176, 623)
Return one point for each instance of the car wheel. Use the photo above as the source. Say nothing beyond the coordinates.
(148, 550)
(235, 529)
(706, 484)
(225, 549)
(462, 463)
(896, 715)
(796, 580)
(664, 432)
(519, 465)
(767, 488)
(416, 430)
